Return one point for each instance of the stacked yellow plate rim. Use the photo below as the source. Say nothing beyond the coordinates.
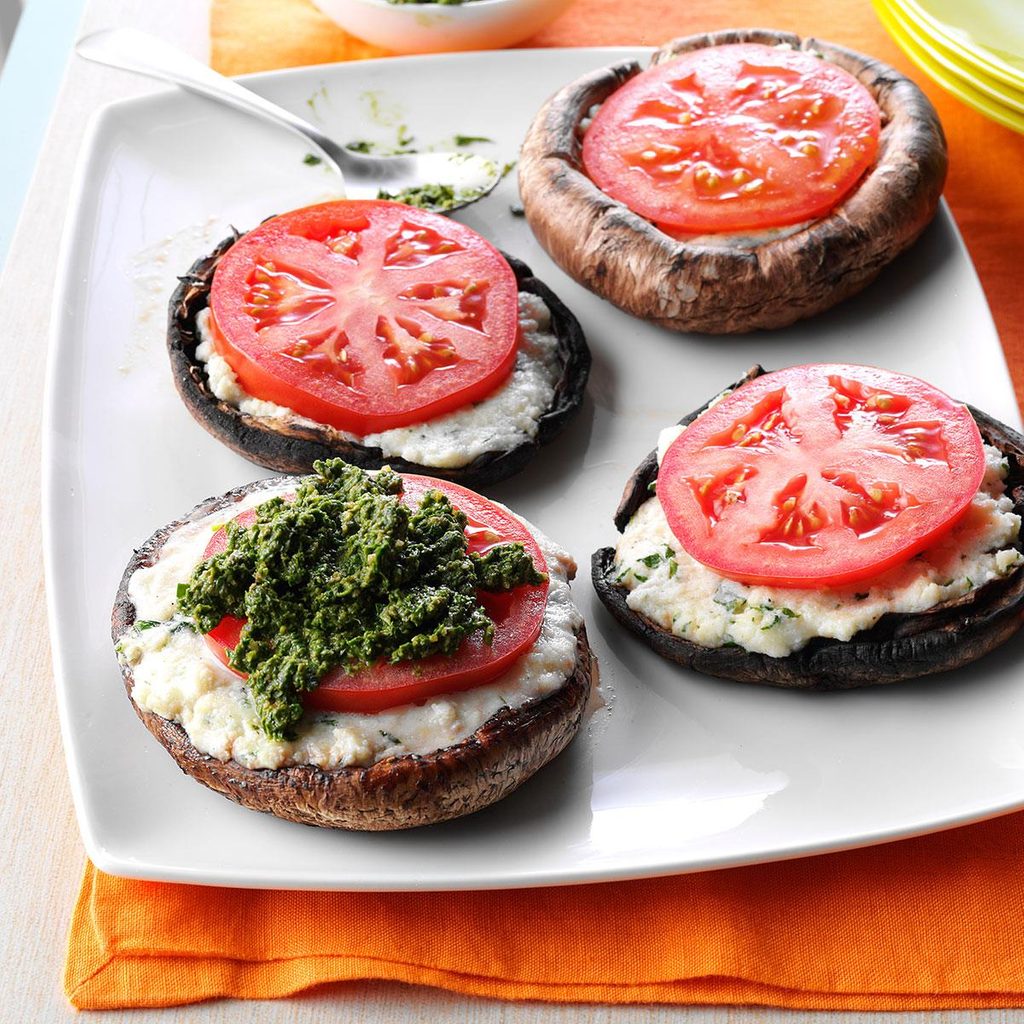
(973, 48)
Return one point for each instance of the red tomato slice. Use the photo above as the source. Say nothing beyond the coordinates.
(820, 475)
(734, 138)
(366, 315)
(517, 615)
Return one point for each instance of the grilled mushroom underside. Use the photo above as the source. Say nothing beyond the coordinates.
(293, 447)
(397, 792)
(899, 646)
(687, 286)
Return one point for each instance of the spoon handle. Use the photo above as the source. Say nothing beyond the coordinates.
(132, 50)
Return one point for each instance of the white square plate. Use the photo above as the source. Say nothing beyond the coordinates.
(678, 772)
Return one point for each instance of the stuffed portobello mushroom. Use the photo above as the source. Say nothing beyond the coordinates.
(377, 333)
(746, 180)
(354, 650)
(823, 527)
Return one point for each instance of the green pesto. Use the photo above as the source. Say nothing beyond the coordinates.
(404, 143)
(319, 95)
(432, 197)
(343, 576)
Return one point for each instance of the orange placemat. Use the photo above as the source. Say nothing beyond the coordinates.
(929, 923)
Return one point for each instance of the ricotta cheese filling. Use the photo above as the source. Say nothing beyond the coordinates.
(675, 591)
(741, 239)
(175, 674)
(507, 418)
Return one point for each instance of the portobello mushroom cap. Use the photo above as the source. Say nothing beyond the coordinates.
(397, 792)
(901, 645)
(293, 448)
(687, 286)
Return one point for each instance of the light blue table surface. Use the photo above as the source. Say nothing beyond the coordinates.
(29, 84)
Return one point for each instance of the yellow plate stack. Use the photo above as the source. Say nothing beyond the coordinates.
(973, 48)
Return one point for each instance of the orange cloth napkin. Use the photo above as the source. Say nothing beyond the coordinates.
(929, 923)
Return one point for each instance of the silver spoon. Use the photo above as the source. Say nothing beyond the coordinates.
(471, 176)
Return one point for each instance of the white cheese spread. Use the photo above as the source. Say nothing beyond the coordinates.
(742, 239)
(507, 418)
(675, 591)
(177, 677)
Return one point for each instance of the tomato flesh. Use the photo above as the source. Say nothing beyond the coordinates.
(517, 616)
(734, 138)
(365, 315)
(820, 475)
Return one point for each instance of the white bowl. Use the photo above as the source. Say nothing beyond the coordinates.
(433, 28)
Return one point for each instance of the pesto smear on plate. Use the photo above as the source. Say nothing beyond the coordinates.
(342, 576)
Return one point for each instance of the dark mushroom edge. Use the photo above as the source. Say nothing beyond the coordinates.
(686, 286)
(899, 646)
(294, 448)
(397, 792)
